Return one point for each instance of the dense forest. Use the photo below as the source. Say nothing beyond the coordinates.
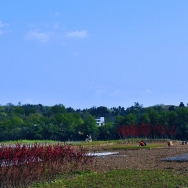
(67, 124)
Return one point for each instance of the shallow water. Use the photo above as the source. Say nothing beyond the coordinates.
(183, 157)
(102, 154)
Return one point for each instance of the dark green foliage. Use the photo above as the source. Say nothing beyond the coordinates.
(58, 109)
(171, 108)
(59, 123)
(100, 111)
(106, 132)
(181, 105)
(89, 127)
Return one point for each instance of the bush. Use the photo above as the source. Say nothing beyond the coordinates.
(21, 165)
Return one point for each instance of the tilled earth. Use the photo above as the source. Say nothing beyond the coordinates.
(143, 159)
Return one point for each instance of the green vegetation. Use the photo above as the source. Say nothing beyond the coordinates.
(38, 122)
(52, 142)
(106, 145)
(118, 144)
(123, 178)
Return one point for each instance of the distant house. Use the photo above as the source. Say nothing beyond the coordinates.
(100, 121)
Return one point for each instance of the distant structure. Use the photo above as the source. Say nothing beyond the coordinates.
(100, 121)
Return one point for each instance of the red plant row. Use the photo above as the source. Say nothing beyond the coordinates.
(146, 130)
(20, 165)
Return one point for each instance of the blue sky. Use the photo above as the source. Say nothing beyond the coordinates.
(94, 53)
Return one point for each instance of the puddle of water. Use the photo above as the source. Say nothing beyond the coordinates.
(101, 154)
(183, 157)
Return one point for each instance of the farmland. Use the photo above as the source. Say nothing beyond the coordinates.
(135, 167)
(132, 166)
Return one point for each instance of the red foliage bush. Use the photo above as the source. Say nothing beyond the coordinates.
(20, 165)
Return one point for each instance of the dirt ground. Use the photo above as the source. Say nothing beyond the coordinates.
(143, 159)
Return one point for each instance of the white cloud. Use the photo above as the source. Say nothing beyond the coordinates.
(99, 92)
(116, 92)
(40, 36)
(77, 34)
(57, 14)
(145, 91)
(28, 101)
(148, 91)
(2, 26)
(56, 26)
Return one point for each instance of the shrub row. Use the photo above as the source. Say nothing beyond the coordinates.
(21, 165)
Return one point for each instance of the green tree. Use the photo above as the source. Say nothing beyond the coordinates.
(29, 109)
(182, 122)
(181, 105)
(13, 127)
(163, 118)
(130, 119)
(89, 127)
(34, 126)
(68, 124)
(154, 116)
(35, 118)
(120, 120)
(172, 108)
(3, 115)
(144, 119)
(106, 131)
(58, 109)
(19, 111)
(172, 118)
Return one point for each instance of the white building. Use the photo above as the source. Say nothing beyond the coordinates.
(100, 121)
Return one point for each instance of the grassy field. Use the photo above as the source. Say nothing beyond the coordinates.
(30, 142)
(95, 145)
(83, 143)
(122, 178)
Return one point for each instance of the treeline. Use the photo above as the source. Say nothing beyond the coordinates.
(60, 123)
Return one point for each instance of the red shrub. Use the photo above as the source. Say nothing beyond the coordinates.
(20, 165)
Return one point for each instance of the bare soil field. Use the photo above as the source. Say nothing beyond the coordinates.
(148, 159)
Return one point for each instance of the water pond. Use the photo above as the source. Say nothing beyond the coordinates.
(183, 157)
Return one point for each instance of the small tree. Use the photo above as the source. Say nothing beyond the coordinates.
(181, 105)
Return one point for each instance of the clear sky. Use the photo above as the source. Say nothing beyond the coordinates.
(85, 53)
